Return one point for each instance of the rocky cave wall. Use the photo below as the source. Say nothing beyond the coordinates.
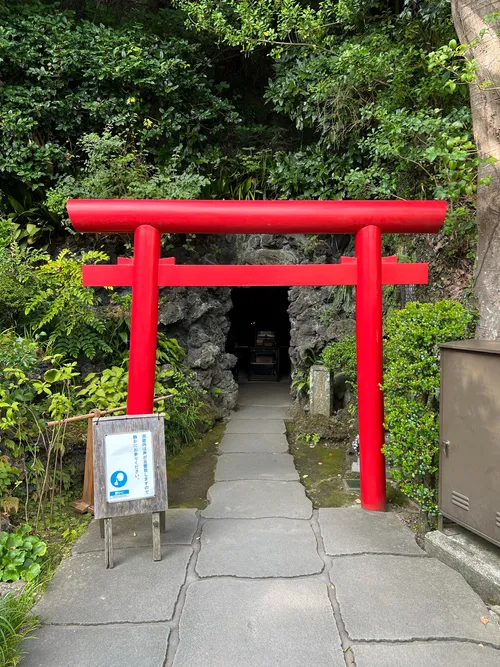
(199, 317)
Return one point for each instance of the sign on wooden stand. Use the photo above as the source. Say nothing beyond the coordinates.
(130, 475)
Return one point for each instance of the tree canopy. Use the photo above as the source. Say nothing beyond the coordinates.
(333, 99)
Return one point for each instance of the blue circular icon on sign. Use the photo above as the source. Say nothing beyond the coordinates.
(119, 478)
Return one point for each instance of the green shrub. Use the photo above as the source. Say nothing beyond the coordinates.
(64, 77)
(183, 411)
(340, 357)
(59, 304)
(113, 168)
(27, 400)
(17, 351)
(105, 390)
(184, 414)
(411, 387)
(45, 295)
(20, 555)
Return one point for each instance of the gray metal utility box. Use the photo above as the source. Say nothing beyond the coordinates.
(469, 470)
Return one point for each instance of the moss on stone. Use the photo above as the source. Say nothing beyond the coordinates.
(191, 472)
(322, 469)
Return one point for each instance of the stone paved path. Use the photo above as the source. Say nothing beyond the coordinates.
(259, 579)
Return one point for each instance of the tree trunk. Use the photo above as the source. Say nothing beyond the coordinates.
(468, 17)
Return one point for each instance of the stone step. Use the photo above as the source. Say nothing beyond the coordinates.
(351, 530)
(255, 466)
(234, 623)
(256, 426)
(257, 500)
(401, 598)
(260, 412)
(249, 443)
(258, 548)
(265, 394)
(477, 560)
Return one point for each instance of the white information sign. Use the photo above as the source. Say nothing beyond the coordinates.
(129, 467)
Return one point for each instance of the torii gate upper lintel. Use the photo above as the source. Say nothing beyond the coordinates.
(147, 219)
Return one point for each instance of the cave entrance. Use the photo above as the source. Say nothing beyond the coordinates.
(259, 334)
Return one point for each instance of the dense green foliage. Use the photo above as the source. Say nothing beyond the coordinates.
(112, 169)
(372, 91)
(20, 554)
(64, 77)
(46, 295)
(411, 388)
(340, 357)
(362, 103)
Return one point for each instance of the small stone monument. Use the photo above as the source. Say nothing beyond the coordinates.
(320, 390)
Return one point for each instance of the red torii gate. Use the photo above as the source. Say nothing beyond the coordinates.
(147, 219)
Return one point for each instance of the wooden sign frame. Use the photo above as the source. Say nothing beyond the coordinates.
(155, 504)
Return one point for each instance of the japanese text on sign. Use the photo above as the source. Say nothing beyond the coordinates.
(129, 466)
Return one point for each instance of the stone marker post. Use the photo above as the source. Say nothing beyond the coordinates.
(320, 390)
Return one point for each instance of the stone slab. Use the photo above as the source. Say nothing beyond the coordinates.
(440, 654)
(260, 412)
(477, 561)
(259, 548)
(267, 394)
(403, 598)
(135, 531)
(351, 530)
(320, 390)
(284, 623)
(256, 426)
(265, 443)
(257, 500)
(137, 589)
(256, 466)
(109, 646)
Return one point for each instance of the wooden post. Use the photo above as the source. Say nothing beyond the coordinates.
(87, 501)
(155, 516)
(88, 480)
(163, 527)
(108, 543)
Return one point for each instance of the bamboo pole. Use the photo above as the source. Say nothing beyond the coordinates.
(103, 413)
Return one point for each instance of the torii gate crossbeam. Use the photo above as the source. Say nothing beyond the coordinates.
(368, 271)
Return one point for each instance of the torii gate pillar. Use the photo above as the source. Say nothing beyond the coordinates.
(369, 359)
(144, 321)
(368, 271)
